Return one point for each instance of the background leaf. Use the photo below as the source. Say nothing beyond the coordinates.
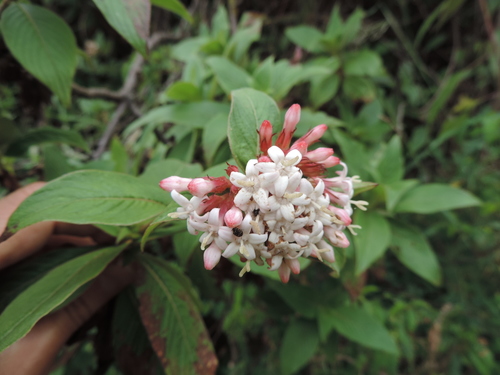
(249, 108)
(175, 6)
(49, 292)
(229, 75)
(432, 198)
(130, 18)
(372, 240)
(91, 197)
(413, 250)
(44, 45)
(45, 135)
(170, 315)
(298, 346)
(356, 324)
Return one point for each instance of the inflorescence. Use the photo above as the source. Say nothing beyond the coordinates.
(280, 209)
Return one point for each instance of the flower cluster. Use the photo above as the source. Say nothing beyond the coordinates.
(281, 208)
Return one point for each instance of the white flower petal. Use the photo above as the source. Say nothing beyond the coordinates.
(280, 186)
(231, 250)
(242, 198)
(276, 154)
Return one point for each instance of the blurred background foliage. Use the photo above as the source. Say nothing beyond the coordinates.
(410, 91)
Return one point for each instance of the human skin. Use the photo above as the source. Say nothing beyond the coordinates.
(35, 353)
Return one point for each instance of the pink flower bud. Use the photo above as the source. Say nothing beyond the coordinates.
(200, 187)
(175, 183)
(294, 265)
(320, 154)
(301, 146)
(233, 217)
(341, 214)
(336, 237)
(284, 273)
(292, 118)
(211, 256)
(265, 136)
(231, 168)
(313, 135)
(331, 162)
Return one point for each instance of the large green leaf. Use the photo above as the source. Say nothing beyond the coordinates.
(16, 278)
(130, 18)
(431, 198)
(169, 312)
(51, 291)
(359, 88)
(43, 43)
(298, 346)
(413, 250)
(372, 240)
(249, 108)
(229, 75)
(160, 219)
(45, 135)
(175, 6)
(357, 325)
(91, 197)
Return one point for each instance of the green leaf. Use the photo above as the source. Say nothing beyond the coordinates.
(413, 250)
(51, 291)
(389, 162)
(169, 312)
(214, 133)
(395, 190)
(91, 197)
(157, 171)
(249, 108)
(18, 277)
(192, 115)
(323, 89)
(309, 119)
(372, 240)
(55, 163)
(432, 198)
(184, 246)
(183, 91)
(45, 135)
(306, 37)
(160, 219)
(357, 325)
(298, 346)
(359, 88)
(9, 132)
(130, 18)
(229, 75)
(242, 39)
(175, 6)
(119, 155)
(46, 47)
(296, 295)
(363, 63)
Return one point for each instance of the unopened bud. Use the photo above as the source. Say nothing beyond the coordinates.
(175, 183)
(292, 118)
(320, 154)
(233, 217)
(265, 136)
(200, 187)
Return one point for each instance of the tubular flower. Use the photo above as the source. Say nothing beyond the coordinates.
(280, 209)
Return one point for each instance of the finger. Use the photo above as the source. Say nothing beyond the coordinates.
(35, 353)
(63, 240)
(10, 203)
(24, 243)
(88, 230)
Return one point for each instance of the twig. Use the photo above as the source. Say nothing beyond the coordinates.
(434, 337)
(108, 133)
(490, 30)
(233, 15)
(126, 91)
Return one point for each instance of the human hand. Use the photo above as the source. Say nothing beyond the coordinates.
(35, 353)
